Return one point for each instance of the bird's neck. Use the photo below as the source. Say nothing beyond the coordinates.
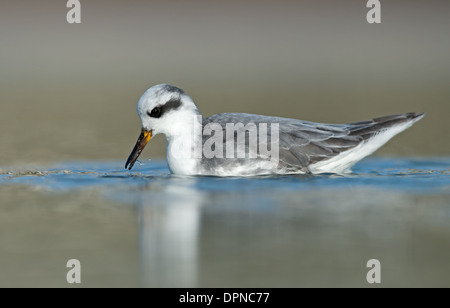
(184, 146)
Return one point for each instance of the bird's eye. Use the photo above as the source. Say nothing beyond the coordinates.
(155, 113)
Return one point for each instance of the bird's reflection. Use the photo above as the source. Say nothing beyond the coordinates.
(169, 225)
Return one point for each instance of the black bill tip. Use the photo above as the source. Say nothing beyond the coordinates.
(142, 141)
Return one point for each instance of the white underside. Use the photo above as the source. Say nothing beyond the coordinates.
(251, 168)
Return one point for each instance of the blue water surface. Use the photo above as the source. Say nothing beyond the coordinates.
(411, 175)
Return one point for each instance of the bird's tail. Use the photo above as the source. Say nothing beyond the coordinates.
(375, 133)
(370, 128)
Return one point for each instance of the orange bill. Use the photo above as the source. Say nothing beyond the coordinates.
(142, 141)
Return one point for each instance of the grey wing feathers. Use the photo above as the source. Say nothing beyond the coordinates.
(302, 143)
(368, 128)
(313, 142)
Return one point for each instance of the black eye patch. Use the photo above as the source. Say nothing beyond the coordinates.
(157, 112)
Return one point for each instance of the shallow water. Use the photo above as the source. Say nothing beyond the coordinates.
(150, 228)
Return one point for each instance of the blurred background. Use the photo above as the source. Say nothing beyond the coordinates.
(69, 91)
(68, 121)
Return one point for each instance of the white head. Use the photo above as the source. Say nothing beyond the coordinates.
(163, 109)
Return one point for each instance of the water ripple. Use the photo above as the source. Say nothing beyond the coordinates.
(405, 174)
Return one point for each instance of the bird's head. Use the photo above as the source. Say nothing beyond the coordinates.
(163, 109)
